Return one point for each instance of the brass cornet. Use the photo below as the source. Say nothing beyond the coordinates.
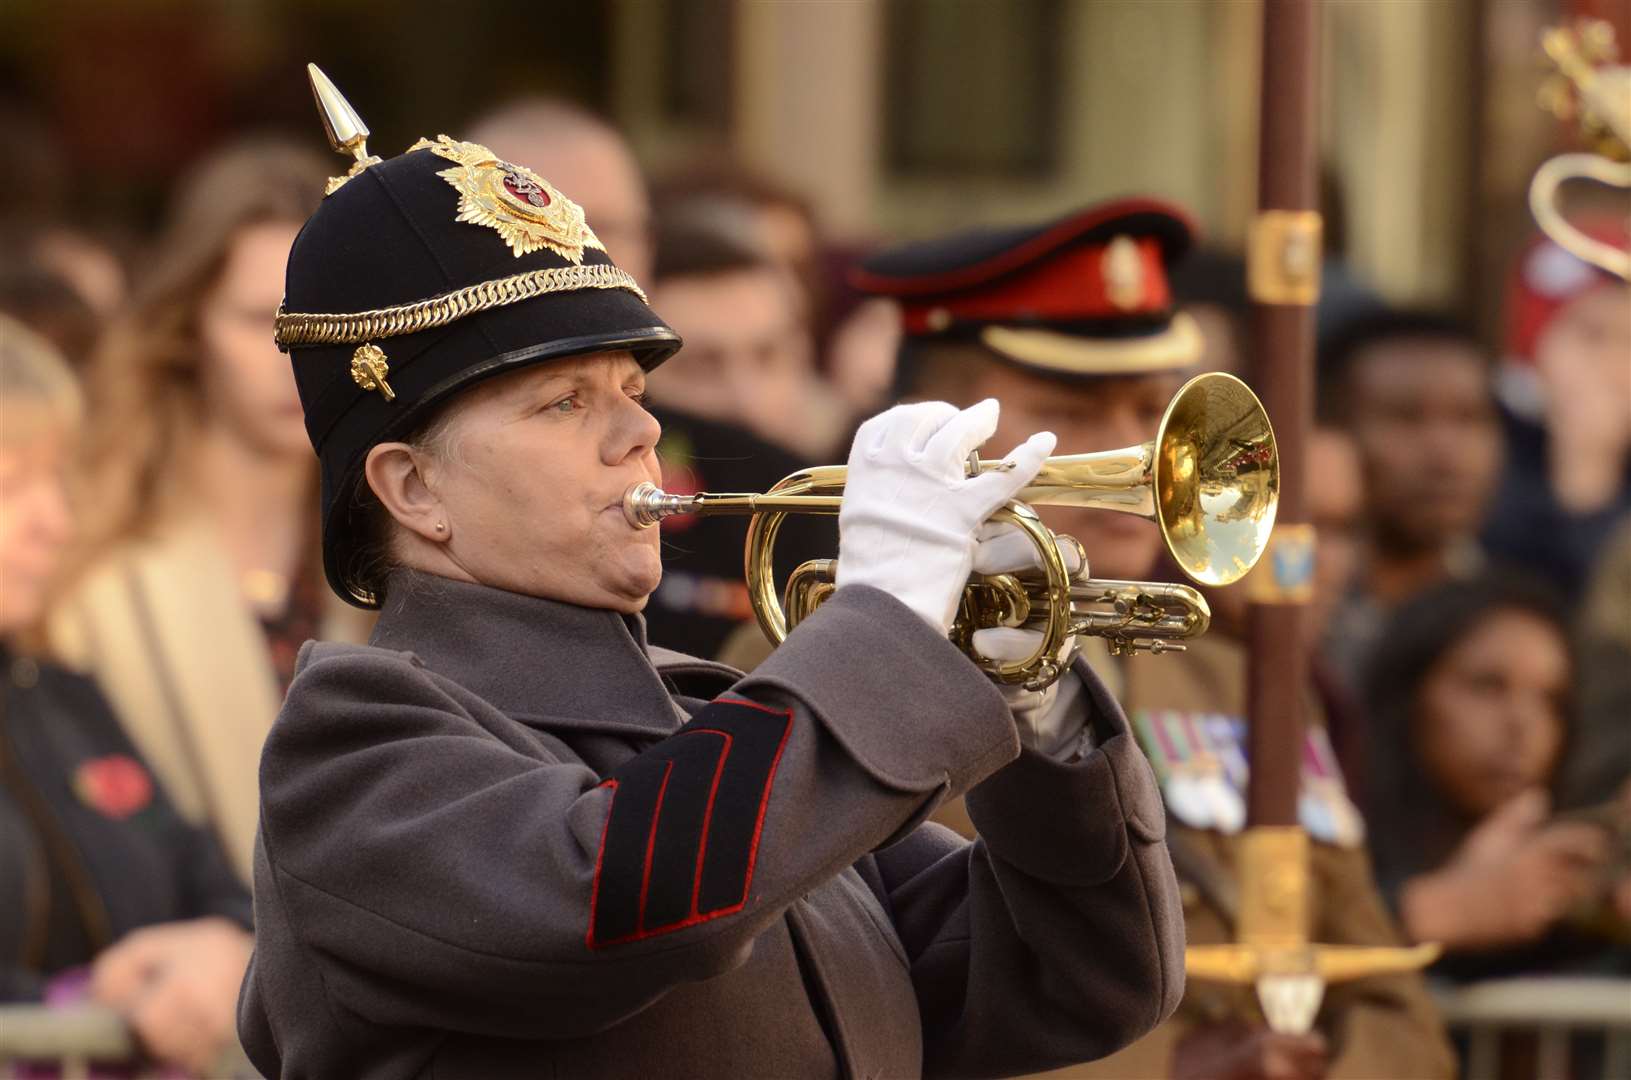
(1210, 479)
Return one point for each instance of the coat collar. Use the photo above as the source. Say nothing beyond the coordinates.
(542, 661)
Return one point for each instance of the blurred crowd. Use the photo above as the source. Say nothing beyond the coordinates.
(159, 570)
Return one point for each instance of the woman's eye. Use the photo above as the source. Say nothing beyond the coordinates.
(1484, 683)
(638, 397)
(564, 406)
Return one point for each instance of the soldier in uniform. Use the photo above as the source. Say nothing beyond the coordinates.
(1072, 325)
(509, 838)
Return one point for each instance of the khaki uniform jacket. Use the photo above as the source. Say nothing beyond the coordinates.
(509, 839)
(162, 627)
(1384, 1028)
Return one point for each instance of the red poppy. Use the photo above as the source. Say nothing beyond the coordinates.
(115, 785)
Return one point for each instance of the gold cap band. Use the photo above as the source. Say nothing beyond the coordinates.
(299, 328)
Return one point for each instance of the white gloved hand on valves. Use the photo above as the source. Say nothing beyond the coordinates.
(911, 511)
(1051, 721)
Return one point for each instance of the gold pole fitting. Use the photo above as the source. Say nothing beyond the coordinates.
(1285, 573)
(1283, 257)
(1274, 887)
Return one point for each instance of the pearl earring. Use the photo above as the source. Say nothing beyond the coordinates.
(441, 526)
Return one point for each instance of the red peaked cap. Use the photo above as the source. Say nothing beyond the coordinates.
(1101, 271)
(1546, 279)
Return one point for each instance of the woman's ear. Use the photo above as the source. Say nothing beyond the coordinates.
(395, 471)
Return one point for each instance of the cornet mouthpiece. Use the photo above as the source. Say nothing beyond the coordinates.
(645, 504)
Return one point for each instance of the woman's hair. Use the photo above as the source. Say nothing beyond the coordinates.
(1412, 825)
(37, 390)
(690, 249)
(144, 381)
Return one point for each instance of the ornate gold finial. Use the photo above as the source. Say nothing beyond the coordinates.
(1594, 90)
(346, 131)
(1590, 86)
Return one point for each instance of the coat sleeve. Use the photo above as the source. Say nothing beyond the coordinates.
(441, 876)
(1057, 937)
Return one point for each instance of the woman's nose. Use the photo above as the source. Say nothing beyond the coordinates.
(53, 514)
(634, 433)
(1528, 717)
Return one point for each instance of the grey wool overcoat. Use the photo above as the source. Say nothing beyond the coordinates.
(508, 838)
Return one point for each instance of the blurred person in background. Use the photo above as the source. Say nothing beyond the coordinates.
(1072, 325)
(1597, 761)
(1470, 704)
(724, 196)
(1565, 390)
(583, 154)
(1336, 508)
(45, 224)
(106, 893)
(729, 199)
(1414, 389)
(981, 320)
(1210, 286)
(88, 265)
(197, 579)
(861, 353)
(49, 305)
(748, 357)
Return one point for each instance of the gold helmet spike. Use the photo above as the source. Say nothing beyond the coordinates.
(346, 131)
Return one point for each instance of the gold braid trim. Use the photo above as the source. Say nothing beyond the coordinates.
(299, 328)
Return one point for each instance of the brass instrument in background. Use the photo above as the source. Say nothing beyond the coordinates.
(1210, 479)
(1589, 87)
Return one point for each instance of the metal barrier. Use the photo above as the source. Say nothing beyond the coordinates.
(1553, 1011)
(74, 1038)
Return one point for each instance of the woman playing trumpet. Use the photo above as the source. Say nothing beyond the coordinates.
(507, 836)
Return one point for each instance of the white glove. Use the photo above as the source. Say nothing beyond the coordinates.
(910, 510)
(1052, 721)
(1000, 548)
